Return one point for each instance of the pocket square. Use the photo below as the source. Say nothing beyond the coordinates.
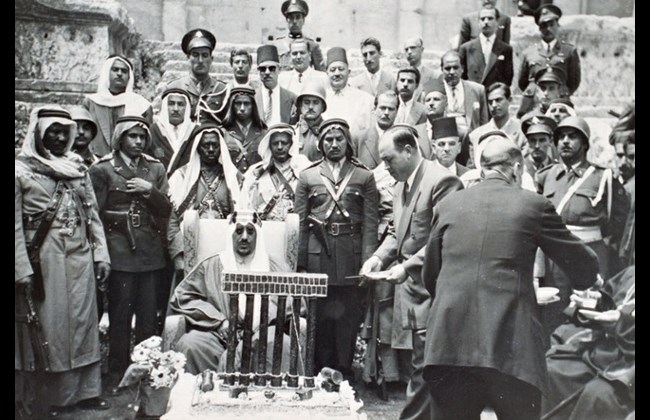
(501, 57)
(476, 105)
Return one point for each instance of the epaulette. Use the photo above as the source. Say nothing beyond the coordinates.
(356, 162)
(105, 158)
(150, 158)
(315, 163)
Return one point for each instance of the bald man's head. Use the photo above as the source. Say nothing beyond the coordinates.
(499, 151)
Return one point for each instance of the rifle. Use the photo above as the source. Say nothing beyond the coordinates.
(40, 346)
(318, 228)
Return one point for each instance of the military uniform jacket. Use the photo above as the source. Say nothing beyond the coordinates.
(216, 89)
(582, 208)
(307, 140)
(562, 55)
(283, 43)
(406, 239)
(360, 200)
(109, 177)
(247, 145)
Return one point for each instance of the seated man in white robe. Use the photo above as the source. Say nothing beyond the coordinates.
(206, 307)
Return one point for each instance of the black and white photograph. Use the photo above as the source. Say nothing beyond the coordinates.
(334, 209)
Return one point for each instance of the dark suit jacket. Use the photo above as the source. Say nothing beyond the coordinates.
(470, 28)
(478, 267)
(287, 102)
(498, 68)
(408, 236)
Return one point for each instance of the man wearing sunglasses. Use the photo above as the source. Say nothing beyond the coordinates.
(275, 103)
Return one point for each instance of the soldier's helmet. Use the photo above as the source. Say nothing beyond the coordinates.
(575, 122)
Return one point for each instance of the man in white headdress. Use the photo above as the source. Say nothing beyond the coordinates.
(172, 126)
(208, 185)
(73, 261)
(269, 186)
(206, 309)
(114, 98)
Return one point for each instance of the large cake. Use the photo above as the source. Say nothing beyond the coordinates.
(187, 401)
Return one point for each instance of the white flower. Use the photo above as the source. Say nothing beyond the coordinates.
(161, 377)
(179, 361)
(152, 342)
(140, 355)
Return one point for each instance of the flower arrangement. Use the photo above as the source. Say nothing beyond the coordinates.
(150, 364)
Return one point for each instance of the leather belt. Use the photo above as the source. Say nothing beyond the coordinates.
(586, 233)
(31, 223)
(336, 229)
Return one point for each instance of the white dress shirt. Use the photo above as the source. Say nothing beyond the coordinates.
(275, 104)
(486, 45)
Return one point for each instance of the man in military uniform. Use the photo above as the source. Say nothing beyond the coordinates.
(86, 132)
(538, 129)
(131, 189)
(336, 199)
(269, 186)
(311, 105)
(590, 201)
(549, 84)
(550, 51)
(243, 127)
(295, 12)
(207, 94)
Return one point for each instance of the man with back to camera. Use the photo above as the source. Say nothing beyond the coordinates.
(484, 339)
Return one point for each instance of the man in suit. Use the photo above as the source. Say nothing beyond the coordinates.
(413, 49)
(435, 102)
(172, 127)
(550, 51)
(465, 100)
(275, 103)
(486, 59)
(410, 111)
(484, 340)
(470, 27)
(207, 94)
(131, 189)
(336, 200)
(375, 80)
(365, 142)
(499, 99)
(344, 101)
(420, 187)
(293, 80)
(446, 145)
(243, 128)
(294, 12)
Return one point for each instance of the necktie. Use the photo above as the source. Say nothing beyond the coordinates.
(335, 171)
(487, 50)
(244, 131)
(133, 166)
(299, 77)
(454, 100)
(406, 191)
(269, 107)
(548, 49)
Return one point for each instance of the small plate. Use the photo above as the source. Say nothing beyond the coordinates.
(377, 275)
(546, 294)
(553, 299)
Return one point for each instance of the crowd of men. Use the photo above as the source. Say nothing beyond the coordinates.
(422, 175)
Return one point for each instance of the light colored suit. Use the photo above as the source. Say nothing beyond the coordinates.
(416, 115)
(362, 82)
(405, 243)
(428, 78)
